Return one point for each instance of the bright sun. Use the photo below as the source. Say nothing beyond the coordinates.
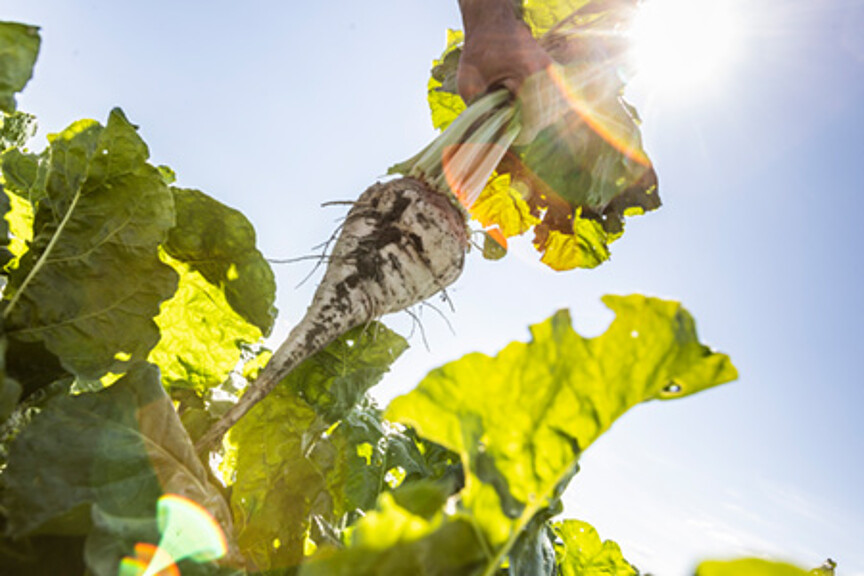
(684, 47)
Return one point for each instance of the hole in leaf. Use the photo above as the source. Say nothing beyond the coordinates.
(557, 541)
(232, 273)
(395, 477)
(309, 545)
(366, 450)
(673, 388)
(329, 432)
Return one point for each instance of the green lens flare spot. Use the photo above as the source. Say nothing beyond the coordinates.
(188, 531)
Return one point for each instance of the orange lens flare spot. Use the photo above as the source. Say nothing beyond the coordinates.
(145, 551)
(149, 560)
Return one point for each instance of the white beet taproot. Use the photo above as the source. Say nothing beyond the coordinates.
(401, 243)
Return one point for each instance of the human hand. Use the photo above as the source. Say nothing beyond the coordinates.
(500, 51)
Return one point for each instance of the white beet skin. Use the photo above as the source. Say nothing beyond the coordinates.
(401, 243)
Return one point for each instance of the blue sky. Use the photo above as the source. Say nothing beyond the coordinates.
(276, 107)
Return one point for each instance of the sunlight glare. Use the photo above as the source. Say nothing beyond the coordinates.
(684, 47)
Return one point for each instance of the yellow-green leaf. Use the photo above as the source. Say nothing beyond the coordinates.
(521, 419)
(202, 336)
(393, 541)
(445, 107)
(502, 205)
(582, 553)
(586, 247)
(444, 102)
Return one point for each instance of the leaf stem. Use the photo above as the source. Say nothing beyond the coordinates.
(521, 523)
(44, 257)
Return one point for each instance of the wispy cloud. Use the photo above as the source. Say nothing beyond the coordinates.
(668, 529)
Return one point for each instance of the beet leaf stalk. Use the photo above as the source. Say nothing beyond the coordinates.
(402, 242)
(460, 161)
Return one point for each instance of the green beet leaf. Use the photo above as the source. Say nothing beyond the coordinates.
(275, 485)
(751, 567)
(54, 555)
(168, 174)
(120, 448)
(289, 460)
(24, 173)
(32, 365)
(393, 541)
(92, 281)
(5, 208)
(587, 171)
(580, 552)
(533, 552)
(334, 380)
(16, 129)
(591, 158)
(521, 419)
(10, 390)
(219, 243)
(19, 48)
(370, 456)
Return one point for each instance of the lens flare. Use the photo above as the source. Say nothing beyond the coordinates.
(145, 554)
(187, 531)
(616, 133)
